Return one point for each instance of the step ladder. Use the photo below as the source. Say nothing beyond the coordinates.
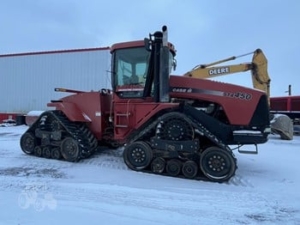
(118, 118)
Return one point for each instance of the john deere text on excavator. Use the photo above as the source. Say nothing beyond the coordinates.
(172, 125)
(280, 124)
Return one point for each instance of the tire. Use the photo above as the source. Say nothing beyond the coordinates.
(218, 164)
(173, 167)
(38, 151)
(158, 165)
(70, 149)
(47, 152)
(190, 169)
(55, 153)
(138, 155)
(28, 143)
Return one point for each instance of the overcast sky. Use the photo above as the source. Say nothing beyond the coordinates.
(202, 31)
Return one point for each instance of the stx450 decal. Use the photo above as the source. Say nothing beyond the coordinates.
(238, 95)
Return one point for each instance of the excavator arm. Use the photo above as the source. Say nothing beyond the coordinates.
(258, 68)
(280, 124)
(259, 72)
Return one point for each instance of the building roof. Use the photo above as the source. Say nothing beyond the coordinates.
(55, 51)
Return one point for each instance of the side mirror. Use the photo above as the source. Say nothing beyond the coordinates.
(147, 43)
(174, 64)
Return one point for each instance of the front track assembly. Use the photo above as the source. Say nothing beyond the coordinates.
(54, 136)
(180, 147)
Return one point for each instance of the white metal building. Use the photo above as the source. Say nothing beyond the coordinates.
(27, 80)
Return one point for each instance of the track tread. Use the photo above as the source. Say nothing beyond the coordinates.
(86, 141)
(203, 131)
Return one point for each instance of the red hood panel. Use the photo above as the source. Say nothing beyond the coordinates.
(239, 103)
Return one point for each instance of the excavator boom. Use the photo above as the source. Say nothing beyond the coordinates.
(209, 72)
(258, 68)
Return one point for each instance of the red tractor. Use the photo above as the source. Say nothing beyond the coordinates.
(172, 125)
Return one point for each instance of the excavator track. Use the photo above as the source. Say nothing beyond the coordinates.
(179, 157)
(53, 135)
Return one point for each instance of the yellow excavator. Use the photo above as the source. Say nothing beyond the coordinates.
(280, 124)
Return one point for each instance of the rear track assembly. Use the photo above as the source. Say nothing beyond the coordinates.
(54, 136)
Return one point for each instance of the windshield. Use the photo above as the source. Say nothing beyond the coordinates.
(131, 66)
(130, 71)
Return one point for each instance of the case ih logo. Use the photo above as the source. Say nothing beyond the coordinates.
(182, 90)
(218, 71)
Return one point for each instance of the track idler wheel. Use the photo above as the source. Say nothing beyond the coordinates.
(47, 152)
(190, 169)
(173, 167)
(138, 155)
(28, 143)
(158, 165)
(70, 149)
(217, 164)
(38, 151)
(55, 153)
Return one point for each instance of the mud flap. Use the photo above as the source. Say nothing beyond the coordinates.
(282, 124)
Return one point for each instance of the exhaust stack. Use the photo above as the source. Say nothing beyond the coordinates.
(164, 68)
(160, 50)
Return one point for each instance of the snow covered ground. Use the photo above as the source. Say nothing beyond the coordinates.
(101, 190)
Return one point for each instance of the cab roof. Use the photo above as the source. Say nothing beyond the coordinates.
(134, 44)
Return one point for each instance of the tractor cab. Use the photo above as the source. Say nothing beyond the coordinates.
(134, 68)
(130, 62)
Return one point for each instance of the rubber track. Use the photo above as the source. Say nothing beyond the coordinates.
(201, 129)
(86, 141)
